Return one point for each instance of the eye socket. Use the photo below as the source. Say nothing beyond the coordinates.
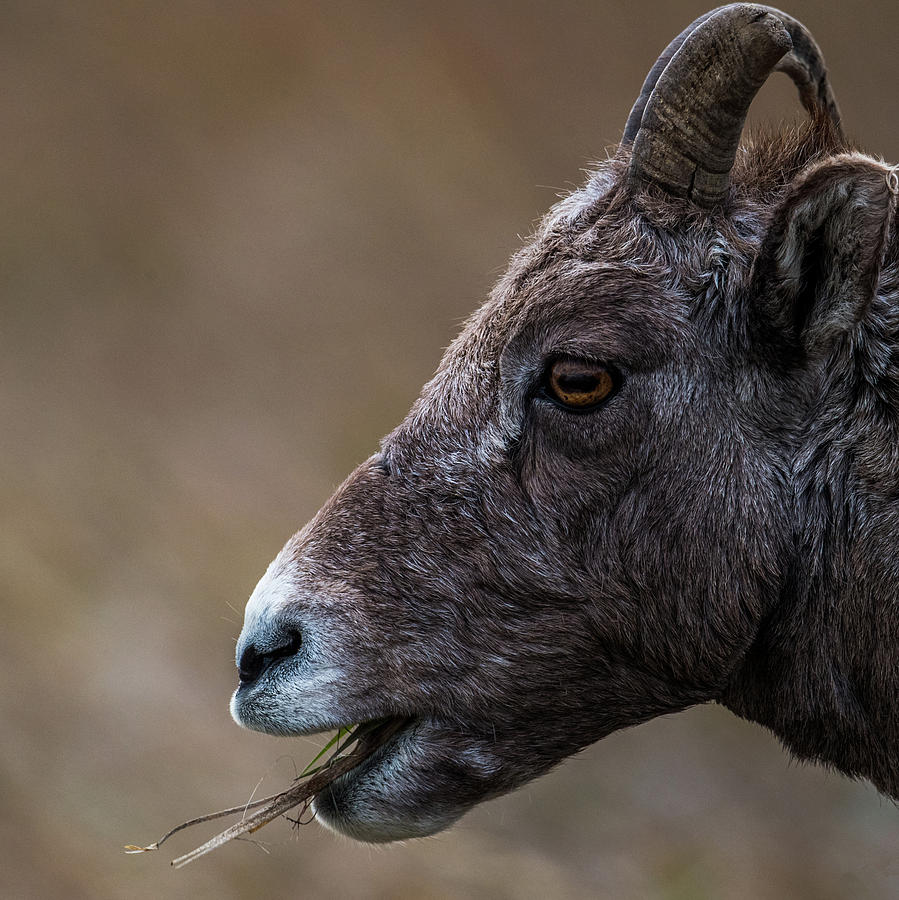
(578, 385)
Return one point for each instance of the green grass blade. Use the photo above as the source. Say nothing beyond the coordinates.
(341, 733)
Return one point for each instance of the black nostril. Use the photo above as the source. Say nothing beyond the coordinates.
(253, 662)
(250, 666)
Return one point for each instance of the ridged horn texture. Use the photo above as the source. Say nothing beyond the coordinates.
(687, 122)
(633, 120)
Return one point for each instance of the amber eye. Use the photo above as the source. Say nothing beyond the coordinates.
(579, 385)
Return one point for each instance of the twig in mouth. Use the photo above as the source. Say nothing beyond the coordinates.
(366, 737)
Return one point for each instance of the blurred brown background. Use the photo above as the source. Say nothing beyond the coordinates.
(235, 238)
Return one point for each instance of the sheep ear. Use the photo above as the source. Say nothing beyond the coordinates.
(821, 258)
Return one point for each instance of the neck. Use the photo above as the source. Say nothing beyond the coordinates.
(822, 673)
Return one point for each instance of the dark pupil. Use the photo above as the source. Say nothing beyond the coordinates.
(577, 382)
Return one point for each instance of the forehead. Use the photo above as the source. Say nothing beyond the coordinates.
(590, 292)
(608, 311)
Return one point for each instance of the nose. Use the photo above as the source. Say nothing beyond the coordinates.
(256, 659)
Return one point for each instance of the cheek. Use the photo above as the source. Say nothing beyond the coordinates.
(567, 493)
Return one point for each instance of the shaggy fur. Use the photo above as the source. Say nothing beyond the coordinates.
(521, 580)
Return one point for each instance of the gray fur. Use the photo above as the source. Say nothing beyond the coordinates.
(520, 580)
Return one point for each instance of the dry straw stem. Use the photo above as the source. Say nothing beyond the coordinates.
(367, 738)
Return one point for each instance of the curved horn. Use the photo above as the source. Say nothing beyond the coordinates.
(700, 89)
(805, 65)
(633, 120)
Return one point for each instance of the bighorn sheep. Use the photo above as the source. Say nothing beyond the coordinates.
(659, 467)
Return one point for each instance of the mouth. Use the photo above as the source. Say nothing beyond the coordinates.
(374, 738)
(371, 737)
(421, 774)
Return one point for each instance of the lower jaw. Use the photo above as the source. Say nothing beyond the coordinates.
(369, 830)
(374, 802)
